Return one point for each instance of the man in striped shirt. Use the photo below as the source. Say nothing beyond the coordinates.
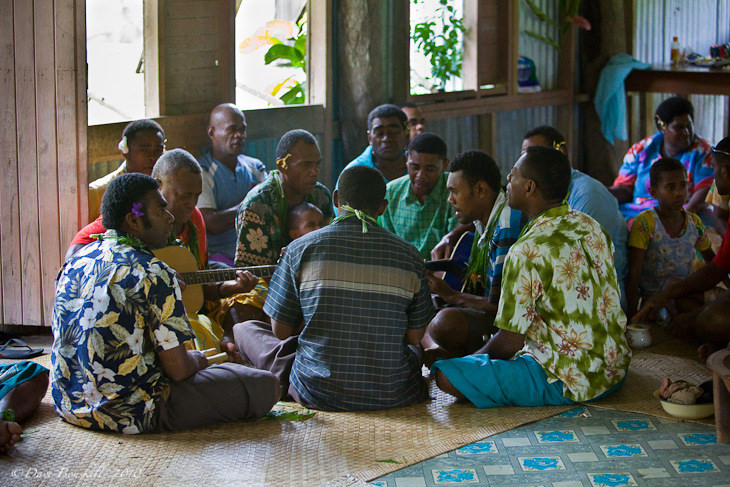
(348, 305)
(476, 196)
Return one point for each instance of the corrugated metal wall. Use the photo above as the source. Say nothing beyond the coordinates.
(698, 24)
(510, 128)
(544, 55)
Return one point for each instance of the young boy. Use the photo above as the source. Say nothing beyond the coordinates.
(663, 239)
(304, 218)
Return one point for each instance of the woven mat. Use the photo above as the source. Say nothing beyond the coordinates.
(329, 449)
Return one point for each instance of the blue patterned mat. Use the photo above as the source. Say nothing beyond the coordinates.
(584, 446)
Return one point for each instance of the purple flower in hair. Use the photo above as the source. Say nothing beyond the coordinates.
(137, 209)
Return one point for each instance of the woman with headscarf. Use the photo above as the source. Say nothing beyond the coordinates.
(676, 138)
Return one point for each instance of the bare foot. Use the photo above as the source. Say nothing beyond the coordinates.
(705, 350)
(9, 435)
(229, 347)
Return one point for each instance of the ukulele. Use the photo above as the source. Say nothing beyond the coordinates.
(183, 261)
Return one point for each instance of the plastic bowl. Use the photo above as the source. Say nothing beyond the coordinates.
(686, 411)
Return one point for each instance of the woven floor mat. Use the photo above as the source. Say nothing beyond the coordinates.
(666, 357)
(328, 449)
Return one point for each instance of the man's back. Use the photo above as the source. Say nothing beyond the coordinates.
(358, 293)
(115, 307)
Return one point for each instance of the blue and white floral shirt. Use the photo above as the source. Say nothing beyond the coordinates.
(116, 306)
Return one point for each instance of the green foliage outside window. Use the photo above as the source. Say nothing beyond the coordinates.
(441, 42)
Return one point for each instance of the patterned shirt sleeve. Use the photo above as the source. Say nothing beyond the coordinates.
(641, 230)
(701, 172)
(500, 245)
(169, 324)
(703, 240)
(525, 286)
(629, 168)
(254, 238)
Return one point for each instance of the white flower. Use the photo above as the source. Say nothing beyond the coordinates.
(101, 373)
(166, 338)
(100, 299)
(149, 405)
(88, 319)
(135, 341)
(122, 146)
(257, 239)
(91, 395)
(130, 430)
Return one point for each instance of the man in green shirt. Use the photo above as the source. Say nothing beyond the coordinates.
(418, 210)
(560, 298)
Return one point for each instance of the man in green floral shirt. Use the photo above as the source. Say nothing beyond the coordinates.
(560, 298)
(261, 222)
(118, 360)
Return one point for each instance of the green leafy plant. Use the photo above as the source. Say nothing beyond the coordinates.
(441, 42)
(286, 49)
(567, 17)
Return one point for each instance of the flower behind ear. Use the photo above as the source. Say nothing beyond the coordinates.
(123, 145)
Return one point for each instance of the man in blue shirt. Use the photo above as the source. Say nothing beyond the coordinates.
(348, 305)
(592, 198)
(228, 176)
(388, 141)
(476, 196)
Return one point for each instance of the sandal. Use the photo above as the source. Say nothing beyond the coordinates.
(21, 350)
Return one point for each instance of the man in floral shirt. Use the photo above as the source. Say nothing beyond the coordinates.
(262, 217)
(118, 361)
(560, 298)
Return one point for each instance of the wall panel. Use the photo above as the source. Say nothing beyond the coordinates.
(41, 113)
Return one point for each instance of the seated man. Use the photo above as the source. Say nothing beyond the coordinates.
(118, 359)
(387, 138)
(228, 176)
(22, 387)
(591, 197)
(476, 196)
(707, 326)
(418, 210)
(179, 176)
(416, 122)
(560, 297)
(357, 297)
(261, 223)
(143, 142)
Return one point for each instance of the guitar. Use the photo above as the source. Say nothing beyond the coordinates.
(455, 266)
(183, 261)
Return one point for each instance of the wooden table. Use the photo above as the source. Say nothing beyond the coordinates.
(684, 80)
(681, 80)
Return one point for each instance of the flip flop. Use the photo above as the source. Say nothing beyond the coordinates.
(18, 351)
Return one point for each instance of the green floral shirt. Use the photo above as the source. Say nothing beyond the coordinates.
(559, 289)
(116, 306)
(261, 222)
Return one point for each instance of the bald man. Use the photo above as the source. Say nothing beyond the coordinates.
(228, 176)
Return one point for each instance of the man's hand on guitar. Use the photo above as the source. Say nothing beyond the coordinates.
(438, 285)
(443, 249)
(180, 281)
(244, 282)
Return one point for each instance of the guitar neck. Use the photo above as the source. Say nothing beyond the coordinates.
(220, 275)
